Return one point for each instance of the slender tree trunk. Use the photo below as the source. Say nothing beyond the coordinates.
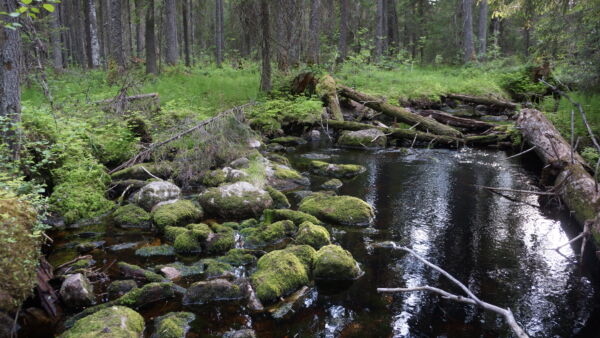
(496, 33)
(343, 42)
(106, 30)
(139, 28)
(483, 25)
(76, 31)
(219, 32)
(314, 30)
(171, 32)
(469, 48)
(186, 32)
(393, 28)
(93, 28)
(151, 66)
(330, 29)
(527, 39)
(265, 76)
(10, 90)
(116, 34)
(380, 31)
(55, 38)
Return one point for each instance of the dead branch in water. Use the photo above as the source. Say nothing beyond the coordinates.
(470, 299)
(544, 193)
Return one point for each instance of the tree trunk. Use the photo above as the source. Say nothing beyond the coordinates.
(487, 101)
(116, 34)
(496, 33)
(186, 32)
(455, 121)
(343, 42)
(468, 31)
(151, 66)
(265, 75)
(106, 30)
(93, 29)
(422, 123)
(314, 29)
(171, 32)
(55, 38)
(139, 28)
(78, 31)
(219, 32)
(326, 88)
(393, 29)
(380, 31)
(483, 25)
(10, 90)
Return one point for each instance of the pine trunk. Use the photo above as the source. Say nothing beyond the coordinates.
(116, 34)
(151, 66)
(314, 33)
(57, 57)
(171, 32)
(469, 48)
(186, 32)
(265, 76)
(483, 25)
(219, 32)
(343, 42)
(93, 29)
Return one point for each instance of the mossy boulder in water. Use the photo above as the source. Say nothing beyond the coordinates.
(76, 291)
(113, 321)
(236, 200)
(332, 262)
(148, 294)
(187, 243)
(336, 170)
(171, 232)
(278, 274)
(178, 213)
(285, 178)
(173, 325)
(132, 216)
(279, 199)
(343, 210)
(138, 273)
(238, 257)
(314, 235)
(164, 250)
(298, 217)
(215, 268)
(289, 140)
(212, 291)
(200, 231)
(367, 138)
(226, 175)
(221, 241)
(305, 253)
(155, 192)
(332, 184)
(269, 234)
(118, 288)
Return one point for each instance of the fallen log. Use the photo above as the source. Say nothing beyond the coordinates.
(422, 123)
(326, 88)
(484, 100)
(455, 121)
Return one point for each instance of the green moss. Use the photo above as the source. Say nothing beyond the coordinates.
(289, 140)
(179, 213)
(222, 241)
(195, 269)
(77, 201)
(298, 217)
(162, 169)
(363, 138)
(271, 233)
(200, 231)
(248, 223)
(214, 178)
(287, 174)
(344, 210)
(326, 86)
(314, 235)
(155, 251)
(238, 257)
(114, 321)
(336, 170)
(214, 268)
(332, 184)
(19, 252)
(278, 274)
(148, 293)
(186, 243)
(81, 264)
(136, 272)
(305, 253)
(131, 216)
(172, 232)
(232, 225)
(279, 199)
(279, 159)
(173, 325)
(332, 262)
(237, 200)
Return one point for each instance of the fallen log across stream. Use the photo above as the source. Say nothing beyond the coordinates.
(455, 121)
(487, 101)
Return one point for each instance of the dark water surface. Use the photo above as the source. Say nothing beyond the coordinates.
(428, 200)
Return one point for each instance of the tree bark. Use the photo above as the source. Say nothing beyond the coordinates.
(380, 32)
(93, 29)
(265, 74)
(186, 32)
(455, 121)
(314, 47)
(139, 28)
(55, 38)
(10, 89)
(171, 32)
(219, 26)
(488, 101)
(79, 26)
(326, 88)
(151, 66)
(422, 123)
(116, 34)
(483, 25)
(393, 29)
(469, 49)
(343, 42)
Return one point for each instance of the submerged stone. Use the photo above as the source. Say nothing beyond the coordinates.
(289, 140)
(155, 251)
(113, 321)
(215, 268)
(155, 192)
(118, 288)
(332, 262)
(314, 235)
(367, 138)
(245, 333)
(138, 273)
(132, 216)
(278, 274)
(211, 291)
(332, 184)
(336, 170)
(343, 210)
(173, 325)
(178, 213)
(236, 200)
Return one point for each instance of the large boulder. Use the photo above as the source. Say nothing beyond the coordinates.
(236, 200)
(278, 273)
(343, 210)
(155, 192)
(132, 216)
(178, 213)
(113, 321)
(298, 217)
(332, 262)
(313, 235)
(268, 233)
(213, 290)
(173, 325)
(76, 291)
(367, 138)
(336, 170)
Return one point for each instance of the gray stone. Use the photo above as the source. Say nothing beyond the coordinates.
(155, 192)
(76, 291)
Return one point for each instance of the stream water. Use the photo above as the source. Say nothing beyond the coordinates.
(427, 200)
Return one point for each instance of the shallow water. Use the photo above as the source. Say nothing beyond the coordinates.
(427, 200)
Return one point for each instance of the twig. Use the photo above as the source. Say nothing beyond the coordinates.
(149, 173)
(521, 153)
(545, 193)
(72, 261)
(414, 126)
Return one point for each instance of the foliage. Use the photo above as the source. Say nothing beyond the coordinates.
(282, 111)
(520, 86)
(31, 8)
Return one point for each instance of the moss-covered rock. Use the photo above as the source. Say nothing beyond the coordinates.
(113, 321)
(76, 291)
(118, 288)
(200, 231)
(332, 262)
(249, 223)
(173, 325)
(367, 138)
(214, 178)
(179, 213)
(171, 232)
(211, 291)
(155, 251)
(235, 201)
(305, 253)
(298, 217)
(332, 184)
(344, 210)
(238, 257)
(222, 240)
(154, 193)
(163, 170)
(187, 243)
(270, 234)
(138, 273)
(279, 199)
(19, 252)
(289, 141)
(279, 159)
(278, 274)
(336, 170)
(177, 269)
(132, 216)
(285, 178)
(215, 268)
(314, 235)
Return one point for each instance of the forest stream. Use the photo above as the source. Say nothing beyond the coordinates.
(426, 199)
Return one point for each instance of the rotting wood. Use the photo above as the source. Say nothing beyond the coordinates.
(425, 124)
(326, 88)
(455, 121)
(483, 100)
